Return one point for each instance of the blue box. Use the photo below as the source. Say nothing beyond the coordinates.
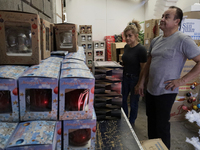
(80, 134)
(54, 60)
(6, 131)
(59, 135)
(74, 66)
(38, 92)
(9, 106)
(79, 55)
(34, 135)
(76, 94)
(72, 61)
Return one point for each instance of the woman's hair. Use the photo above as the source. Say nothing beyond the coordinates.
(134, 26)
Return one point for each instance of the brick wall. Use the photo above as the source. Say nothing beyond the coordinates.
(41, 7)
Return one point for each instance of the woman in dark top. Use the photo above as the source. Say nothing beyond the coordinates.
(134, 58)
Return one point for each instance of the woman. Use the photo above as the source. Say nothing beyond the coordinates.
(134, 58)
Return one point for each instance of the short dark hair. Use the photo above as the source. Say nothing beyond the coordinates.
(179, 13)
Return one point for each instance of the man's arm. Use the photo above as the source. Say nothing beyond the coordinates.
(186, 78)
(143, 75)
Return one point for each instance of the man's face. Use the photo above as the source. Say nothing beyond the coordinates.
(168, 22)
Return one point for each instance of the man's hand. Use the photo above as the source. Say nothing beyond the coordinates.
(172, 84)
(139, 90)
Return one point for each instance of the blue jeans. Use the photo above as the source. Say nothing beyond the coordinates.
(128, 85)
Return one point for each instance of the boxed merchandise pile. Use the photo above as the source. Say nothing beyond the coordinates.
(108, 98)
(99, 51)
(66, 37)
(85, 40)
(20, 38)
(109, 40)
(9, 102)
(38, 92)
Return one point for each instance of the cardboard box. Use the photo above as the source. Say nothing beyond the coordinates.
(189, 64)
(19, 38)
(147, 43)
(82, 29)
(99, 52)
(96, 45)
(192, 14)
(74, 66)
(78, 56)
(99, 58)
(76, 94)
(38, 90)
(72, 61)
(9, 107)
(66, 37)
(52, 36)
(89, 29)
(89, 46)
(53, 60)
(6, 132)
(89, 54)
(150, 29)
(191, 28)
(89, 37)
(59, 135)
(34, 135)
(80, 134)
(153, 144)
(89, 62)
(82, 37)
(84, 45)
(158, 30)
(102, 45)
(45, 38)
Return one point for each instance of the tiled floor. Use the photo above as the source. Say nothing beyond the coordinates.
(179, 130)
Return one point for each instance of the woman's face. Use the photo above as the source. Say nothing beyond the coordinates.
(130, 37)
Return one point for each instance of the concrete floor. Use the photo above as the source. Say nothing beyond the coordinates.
(179, 130)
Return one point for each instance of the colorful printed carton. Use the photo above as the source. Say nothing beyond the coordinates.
(59, 135)
(80, 134)
(6, 131)
(74, 66)
(72, 61)
(9, 106)
(38, 92)
(76, 94)
(54, 60)
(34, 135)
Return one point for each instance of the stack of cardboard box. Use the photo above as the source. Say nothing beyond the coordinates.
(99, 51)
(85, 40)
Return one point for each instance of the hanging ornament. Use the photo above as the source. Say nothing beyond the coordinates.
(185, 108)
(188, 94)
(195, 107)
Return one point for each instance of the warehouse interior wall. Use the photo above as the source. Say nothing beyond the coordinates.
(107, 17)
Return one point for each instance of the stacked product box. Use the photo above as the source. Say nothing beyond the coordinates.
(6, 132)
(79, 55)
(107, 96)
(34, 135)
(76, 105)
(85, 40)
(9, 103)
(20, 38)
(99, 50)
(38, 92)
(66, 37)
(109, 40)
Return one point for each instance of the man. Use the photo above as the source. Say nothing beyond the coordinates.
(167, 57)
